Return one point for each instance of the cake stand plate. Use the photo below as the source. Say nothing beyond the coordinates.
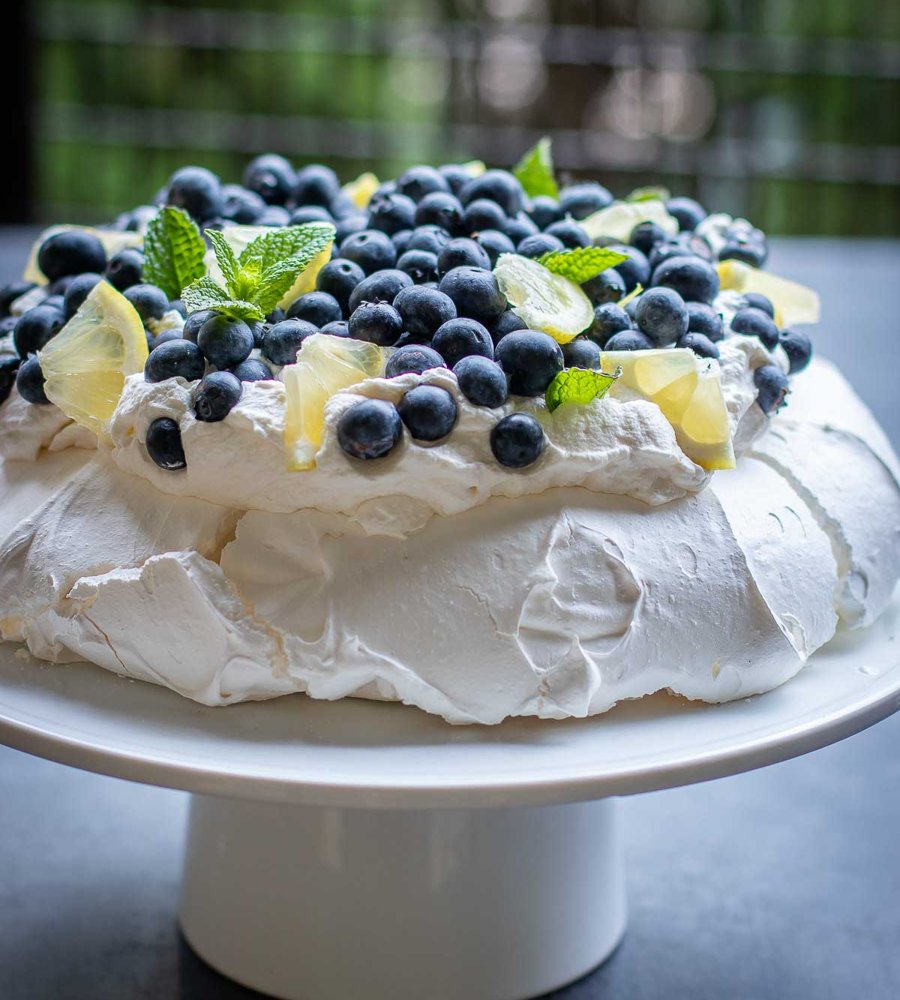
(356, 849)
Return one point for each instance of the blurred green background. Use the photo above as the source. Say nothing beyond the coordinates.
(784, 110)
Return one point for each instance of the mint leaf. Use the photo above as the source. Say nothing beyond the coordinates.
(277, 280)
(582, 263)
(652, 193)
(226, 260)
(203, 294)
(578, 385)
(272, 247)
(173, 251)
(535, 171)
(239, 309)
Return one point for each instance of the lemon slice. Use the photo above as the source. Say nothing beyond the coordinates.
(85, 365)
(113, 241)
(543, 300)
(361, 190)
(324, 366)
(474, 168)
(688, 391)
(618, 219)
(794, 303)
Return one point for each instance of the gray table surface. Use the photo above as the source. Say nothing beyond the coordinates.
(783, 883)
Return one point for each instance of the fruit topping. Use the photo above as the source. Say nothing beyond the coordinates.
(544, 301)
(369, 429)
(661, 315)
(164, 445)
(755, 323)
(772, 387)
(30, 381)
(517, 441)
(216, 396)
(482, 381)
(793, 303)
(798, 347)
(414, 358)
(173, 359)
(428, 411)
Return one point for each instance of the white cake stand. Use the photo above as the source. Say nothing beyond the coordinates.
(354, 849)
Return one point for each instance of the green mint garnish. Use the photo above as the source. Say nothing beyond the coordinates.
(649, 194)
(535, 171)
(578, 385)
(633, 294)
(173, 251)
(582, 263)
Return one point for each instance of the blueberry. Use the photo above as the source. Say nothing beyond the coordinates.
(225, 342)
(8, 326)
(252, 370)
(495, 185)
(475, 293)
(531, 361)
(376, 322)
(193, 323)
(582, 200)
(415, 358)
(756, 300)
(30, 382)
(78, 290)
(164, 338)
(369, 429)
(753, 254)
(519, 228)
(9, 367)
(704, 319)
(282, 341)
(544, 211)
(125, 268)
(699, 343)
(217, 395)
(383, 286)
(176, 305)
(688, 212)
(755, 323)
(461, 337)
(423, 309)
(371, 249)
(462, 252)
(164, 444)
(571, 234)
(275, 216)
(537, 246)
(607, 286)
(420, 265)
(483, 214)
(455, 175)
(517, 441)
(35, 327)
(401, 241)
(240, 205)
(666, 250)
(310, 213)
(694, 279)
(507, 322)
(271, 177)
(56, 302)
(772, 387)
(149, 301)
(428, 411)
(174, 358)
(628, 340)
(73, 251)
(635, 270)
(349, 225)
(315, 185)
(430, 238)
(391, 212)
(197, 191)
(59, 287)
(440, 208)
(338, 278)
(494, 243)
(316, 307)
(481, 381)
(662, 315)
(581, 353)
(337, 328)
(9, 293)
(798, 347)
(342, 206)
(646, 235)
(416, 182)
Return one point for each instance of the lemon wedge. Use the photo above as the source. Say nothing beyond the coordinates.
(618, 219)
(688, 391)
(85, 365)
(325, 365)
(113, 241)
(543, 300)
(794, 303)
(361, 190)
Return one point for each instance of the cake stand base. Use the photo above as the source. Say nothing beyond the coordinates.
(322, 903)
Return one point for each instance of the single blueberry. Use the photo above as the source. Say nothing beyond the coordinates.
(461, 337)
(754, 254)
(517, 441)
(72, 251)
(571, 234)
(59, 287)
(428, 411)
(349, 225)
(342, 206)
(310, 213)
(275, 216)
(282, 341)
(694, 279)
(193, 323)
(494, 243)
(607, 286)
(581, 353)
(635, 270)
(646, 235)
(34, 328)
(666, 250)
(336, 328)
(483, 214)
(371, 249)
(316, 184)
(78, 290)
(772, 387)
(225, 342)
(418, 181)
(369, 429)
(506, 322)
(798, 347)
(401, 241)
(174, 358)
(440, 208)
(338, 278)
(537, 246)
(316, 307)
(423, 309)
(420, 265)
(271, 177)
(164, 445)
(391, 213)
(628, 340)
(662, 315)
(240, 205)
(376, 322)
(544, 211)
(383, 286)
(196, 190)
(430, 238)
(699, 343)
(756, 300)
(495, 185)
(149, 301)
(456, 176)
(9, 367)
(462, 252)
(252, 370)
(216, 396)
(482, 381)
(688, 212)
(520, 227)
(9, 293)
(415, 358)
(125, 268)
(755, 323)
(702, 318)
(475, 293)
(582, 200)
(531, 361)
(30, 382)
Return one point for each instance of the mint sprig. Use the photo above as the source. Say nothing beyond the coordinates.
(651, 193)
(582, 263)
(578, 385)
(173, 251)
(535, 171)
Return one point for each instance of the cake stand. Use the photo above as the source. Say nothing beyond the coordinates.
(361, 850)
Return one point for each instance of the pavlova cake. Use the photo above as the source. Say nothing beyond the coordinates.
(466, 440)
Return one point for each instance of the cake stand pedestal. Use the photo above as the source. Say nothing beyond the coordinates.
(353, 849)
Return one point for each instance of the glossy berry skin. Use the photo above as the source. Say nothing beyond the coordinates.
(699, 343)
(455, 175)
(494, 243)
(349, 225)
(666, 250)
(755, 323)
(164, 445)
(748, 253)
(756, 300)
(608, 286)
(440, 208)
(391, 213)
(338, 278)
(570, 233)
(416, 358)
(537, 246)
(197, 191)
(401, 241)
(125, 268)
(771, 386)
(582, 200)
(241, 206)
(462, 252)
(694, 279)
(517, 441)
(428, 411)
(629, 340)
(30, 382)
(316, 184)
(217, 395)
(310, 213)
(376, 322)
(418, 181)
(316, 307)
(531, 360)
(9, 293)
(282, 341)
(544, 211)
(506, 322)
(383, 286)
(337, 328)
(54, 302)
(78, 290)
(271, 177)
(520, 227)
(71, 252)
(475, 293)
(194, 322)
(420, 265)
(369, 429)
(274, 215)
(798, 347)
(225, 342)
(481, 381)
(9, 367)
(581, 353)
(688, 212)
(482, 213)
(371, 249)
(495, 185)
(35, 327)
(173, 359)
(646, 235)
(636, 270)
(430, 238)
(461, 337)
(609, 319)
(702, 318)
(252, 370)
(661, 315)
(164, 338)
(149, 301)
(424, 309)
(176, 305)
